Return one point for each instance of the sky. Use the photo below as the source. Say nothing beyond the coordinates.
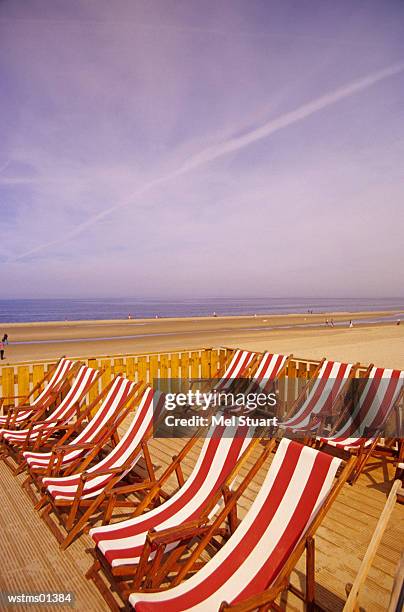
(165, 148)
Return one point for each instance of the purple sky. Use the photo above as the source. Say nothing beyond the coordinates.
(201, 147)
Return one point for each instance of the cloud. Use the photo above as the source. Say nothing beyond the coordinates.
(231, 145)
(150, 148)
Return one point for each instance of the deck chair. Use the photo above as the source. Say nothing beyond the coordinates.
(30, 407)
(235, 371)
(269, 369)
(40, 432)
(264, 378)
(319, 398)
(239, 366)
(359, 428)
(253, 567)
(75, 499)
(399, 475)
(119, 546)
(256, 372)
(101, 426)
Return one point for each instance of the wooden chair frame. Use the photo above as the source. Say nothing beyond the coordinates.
(12, 453)
(253, 365)
(108, 435)
(73, 515)
(124, 579)
(37, 412)
(363, 453)
(206, 532)
(28, 397)
(304, 391)
(271, 385)
(318, 422)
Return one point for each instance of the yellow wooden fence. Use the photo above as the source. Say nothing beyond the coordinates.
(20, 378)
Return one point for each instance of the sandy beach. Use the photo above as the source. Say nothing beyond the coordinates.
(375, 336)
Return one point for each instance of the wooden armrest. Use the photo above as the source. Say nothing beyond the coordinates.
(256, 601)
(58, 427)
(181, 532)
(53, 423)
(64, 448)
(23, 408)
(89, 475)
(126, 489)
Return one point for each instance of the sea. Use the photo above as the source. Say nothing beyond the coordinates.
(36, 310)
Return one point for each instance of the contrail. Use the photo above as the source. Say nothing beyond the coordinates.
(231, 145)
(4, 166)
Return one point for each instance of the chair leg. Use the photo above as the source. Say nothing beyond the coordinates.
(363, 457)
(93, 574)
(26, 485)
(310, 574)
(74, 527)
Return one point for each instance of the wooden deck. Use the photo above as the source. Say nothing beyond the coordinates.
(30, 559)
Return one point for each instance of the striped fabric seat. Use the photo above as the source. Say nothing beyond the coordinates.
(329, 383)
(297, 484)
(269, 368)
(128, 449)
(237, 368)
(46, 396)
(115, 399)
(381, 391)
(122, 543)
(61, 415)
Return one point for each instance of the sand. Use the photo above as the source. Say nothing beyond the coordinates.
(382, 343)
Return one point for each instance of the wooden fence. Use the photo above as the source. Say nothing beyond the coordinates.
(20, 378)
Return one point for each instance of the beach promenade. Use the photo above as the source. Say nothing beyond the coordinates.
(375, 337)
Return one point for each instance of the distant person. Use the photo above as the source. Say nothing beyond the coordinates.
(214, 314)
(326, 322)
(351, 323)
(129, 316)
(5, 339)
(156, 317)
(398, 321)
(332, 322)
(1, 350)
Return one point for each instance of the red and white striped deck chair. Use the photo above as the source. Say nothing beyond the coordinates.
(321, 396)
(269, 369)
(255, 563)
(15, 442)
(264, 379)
(120, 545)
(237, 368)
(101, 426)
(87, 490)
(28, 409)
(363, 424)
